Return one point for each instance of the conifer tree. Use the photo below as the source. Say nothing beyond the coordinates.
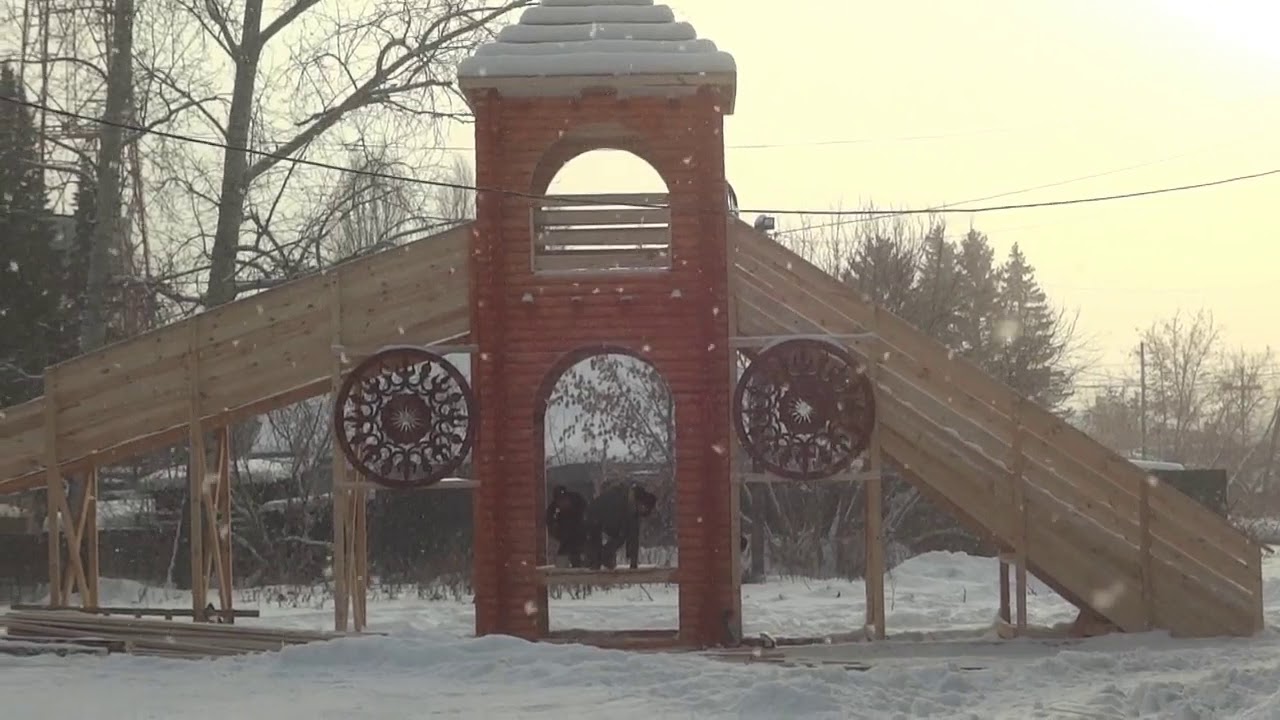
(976, 289)
(30, 302)
(77, 277)
(1030, 341)
(938, 302)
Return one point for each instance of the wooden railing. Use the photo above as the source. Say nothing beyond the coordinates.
(599, 233)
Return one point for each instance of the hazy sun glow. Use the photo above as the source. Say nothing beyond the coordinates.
(1248, 25)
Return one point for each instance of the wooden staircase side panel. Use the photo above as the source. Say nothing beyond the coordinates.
(1094, 563)
(1231, 582)
(1227, 602)
(809, 285)
(777, 286)
(257, 353)
(1045, 461)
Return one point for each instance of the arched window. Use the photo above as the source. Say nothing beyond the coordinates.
(577, 230)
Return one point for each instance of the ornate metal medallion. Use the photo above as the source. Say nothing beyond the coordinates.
(804, 409)
(404, 418)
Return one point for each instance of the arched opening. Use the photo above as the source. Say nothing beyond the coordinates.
(577, 228)
(608, 424)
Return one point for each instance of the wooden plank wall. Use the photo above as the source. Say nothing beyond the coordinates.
(1083, 501)
(254, 354)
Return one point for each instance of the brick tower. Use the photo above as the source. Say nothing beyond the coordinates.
(556, 280)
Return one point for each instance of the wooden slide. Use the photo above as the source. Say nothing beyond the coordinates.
(239, 360)
(1094, 529)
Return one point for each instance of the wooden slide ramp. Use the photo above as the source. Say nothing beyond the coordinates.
(1094, 529)
(1097, 529)
(247, 357)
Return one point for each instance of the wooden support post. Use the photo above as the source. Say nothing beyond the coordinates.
(735, 505)
(90, 538)
(355, 547)
(1005, 613)
(77, 521)
(338, 493)
(349, 496)
(196, 473)
(1144, 553)
(360, 552)
(215, 499)
(55, 492)
(1018, 479)
(758, 519)
(873, 541)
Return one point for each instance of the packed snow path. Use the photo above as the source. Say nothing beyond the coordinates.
(429, 666)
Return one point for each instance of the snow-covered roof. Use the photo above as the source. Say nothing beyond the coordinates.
(591, 39)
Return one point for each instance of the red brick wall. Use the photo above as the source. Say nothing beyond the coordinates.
(677, 320)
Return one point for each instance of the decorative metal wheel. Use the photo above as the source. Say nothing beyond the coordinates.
(804, 409)
(404, 418)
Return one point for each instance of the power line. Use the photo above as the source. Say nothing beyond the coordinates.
(949, 207)
(586, 200)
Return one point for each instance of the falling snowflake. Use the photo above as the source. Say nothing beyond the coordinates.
(530, 608)
(261, 309)
(718, 448)
(1008, 330)
(400, 329)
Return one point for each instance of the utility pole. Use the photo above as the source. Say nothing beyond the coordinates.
(1142, 395)
(1243, 386)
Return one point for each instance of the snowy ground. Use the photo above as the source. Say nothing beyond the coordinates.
(429, 666)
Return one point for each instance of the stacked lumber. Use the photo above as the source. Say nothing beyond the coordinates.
(159, 638)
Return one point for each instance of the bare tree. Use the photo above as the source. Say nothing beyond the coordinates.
(1180, 363)
(280, 533)
(396, 55)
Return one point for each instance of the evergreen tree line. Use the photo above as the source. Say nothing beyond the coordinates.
(42, 280)
(994, 314)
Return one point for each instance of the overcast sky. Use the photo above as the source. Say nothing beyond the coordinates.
(1010, 95)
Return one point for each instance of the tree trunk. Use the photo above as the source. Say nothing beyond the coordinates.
(235, 162)
(107, 231)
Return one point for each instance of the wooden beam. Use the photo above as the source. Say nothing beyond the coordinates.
(196, 472)
(341, 596)
(1005, 612)
(91, 532)
(216, 501)
(54, 497)
(734, 451)
(873, 542)
(358, 562)
(1144, 553)
(1018, 479)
